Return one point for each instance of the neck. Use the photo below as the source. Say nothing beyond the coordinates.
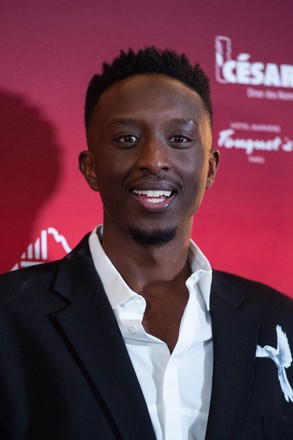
(145, 266)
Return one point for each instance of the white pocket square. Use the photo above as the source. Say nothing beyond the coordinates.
(283, 359)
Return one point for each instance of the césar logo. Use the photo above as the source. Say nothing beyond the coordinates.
(241, 70)
(38, 252)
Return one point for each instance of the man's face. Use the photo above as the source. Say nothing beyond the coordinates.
(149, 154)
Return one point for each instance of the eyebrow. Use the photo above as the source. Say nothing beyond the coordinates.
(124, 121)
(133, 121)
(184, 121)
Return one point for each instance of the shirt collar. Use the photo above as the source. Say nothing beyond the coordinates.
(201, 272)
(118, 291)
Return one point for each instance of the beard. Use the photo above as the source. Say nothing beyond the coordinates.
(156, 238)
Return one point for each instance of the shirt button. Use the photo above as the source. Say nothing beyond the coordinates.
(132, 329)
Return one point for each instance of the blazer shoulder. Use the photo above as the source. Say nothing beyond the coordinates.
(19, 281)
(258, 298)
(22, 282)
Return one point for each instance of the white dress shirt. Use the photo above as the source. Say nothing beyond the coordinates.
(176, 386)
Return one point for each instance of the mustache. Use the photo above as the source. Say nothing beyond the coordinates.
(163, 183)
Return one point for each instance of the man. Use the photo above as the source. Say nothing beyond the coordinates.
(132, 336)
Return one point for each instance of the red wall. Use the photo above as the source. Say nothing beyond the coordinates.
(49, 51)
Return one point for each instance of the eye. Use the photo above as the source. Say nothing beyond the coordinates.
(179, 139)
(127, 139)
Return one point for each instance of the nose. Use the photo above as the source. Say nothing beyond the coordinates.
(153, 157)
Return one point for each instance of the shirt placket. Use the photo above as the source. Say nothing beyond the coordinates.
(171, 399)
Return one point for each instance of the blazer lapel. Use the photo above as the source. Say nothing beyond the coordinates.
(235, 338)
(90, 328)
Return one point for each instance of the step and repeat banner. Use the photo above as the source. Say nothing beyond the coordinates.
(50, 50)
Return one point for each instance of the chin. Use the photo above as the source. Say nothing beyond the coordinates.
(154, 238)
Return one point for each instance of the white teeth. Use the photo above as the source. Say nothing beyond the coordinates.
(157, 200)
(153, 193)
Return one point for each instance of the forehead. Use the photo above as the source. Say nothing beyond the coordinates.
(149, 95)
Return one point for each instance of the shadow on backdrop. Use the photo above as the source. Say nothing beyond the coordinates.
(29, 172)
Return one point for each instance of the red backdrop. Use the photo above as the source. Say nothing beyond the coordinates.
(49, 51)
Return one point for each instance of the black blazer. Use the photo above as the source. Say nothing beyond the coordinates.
(65, 373)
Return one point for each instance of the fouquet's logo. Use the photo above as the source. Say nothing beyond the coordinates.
(255, 139)
(38, 252)
(242, 70)
(227, 139)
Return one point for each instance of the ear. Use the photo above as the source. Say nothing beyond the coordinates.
(87, 167)
(213, 166)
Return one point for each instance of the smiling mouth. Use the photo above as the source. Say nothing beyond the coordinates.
(153, 195)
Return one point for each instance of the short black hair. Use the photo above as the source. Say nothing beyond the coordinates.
(148, 60)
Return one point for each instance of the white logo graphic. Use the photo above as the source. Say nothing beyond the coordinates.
(242, 71)
(37, 252)
(228, 140)
(282, 358)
